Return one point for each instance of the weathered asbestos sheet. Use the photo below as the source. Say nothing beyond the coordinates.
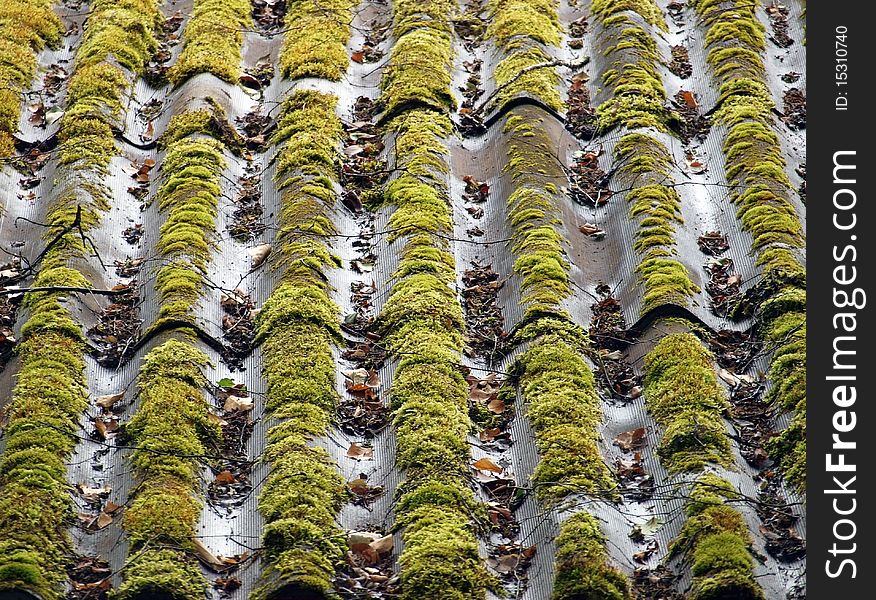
(230, 526)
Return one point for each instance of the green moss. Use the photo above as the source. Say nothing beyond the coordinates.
(639, 96)
(189, 197)
(165, 507)
(683, 394)
(515, 22)
(303, 491)
(582, 563)
(161, 572)
(755, 169)
(647, 9)
(41, 423)
(534, 214)
(419, 71)
(26, 27)
(563, 407)
(212, 40)
(646, 162)
(422, 322)
(715, 539)
(318, 46)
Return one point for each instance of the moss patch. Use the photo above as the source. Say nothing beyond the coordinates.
(755, 170)
(42, 420)
(164, 509)
(317, 47)
(419, 68)
(303, 491)
(212, 40)
(715, 539)
(26, 27)
(683, 394)
(582, 563)
(564, 409)
(645, 162)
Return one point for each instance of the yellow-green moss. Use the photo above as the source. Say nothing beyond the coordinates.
(303, 491)
(41, 424)
(564, 410)
(419, 68)
(317, 46)
(26, 27)
(759, 186)
(164, 508)
(646, 9)
(189, 196)
(422, 322)
(716, 541)
(522, 29)
(212, 40)
(582, 563)
(683, 394)
(534, 214)
(645, 162)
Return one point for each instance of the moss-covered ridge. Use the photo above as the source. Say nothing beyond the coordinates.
(582, 569)
(639, 97)
(419, 70)
(534, 215)
(303, 491)
(645, 165)
(317, 43)
(638, 102)
(189, 196)
(165, 505)
(716, 541)
(26, 27)
(422, 324)
(523, 30)
(683, 395)
(50, 394)
(41, 425)
(422, 321)
(212, 40)
(755, 170)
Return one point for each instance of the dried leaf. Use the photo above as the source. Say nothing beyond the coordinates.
(358, 56)
(688, 98)
(233, 403)
(630, 439)
(107, 402)
(488, 435)
(485, 464)
(496, 406)
(360, 452)
(111, 507)
(103, 520)
(208, 558)
(225, 477)
(93, 494)
(382, 545)
(259, 254)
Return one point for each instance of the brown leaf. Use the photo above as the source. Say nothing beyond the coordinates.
(233, 403)
(496, 406)
(358, 56)
(485, 464)
(111, 507)
(481, 396)
(360, 452)
(488, 435)
(107, 402)
(259, 254)
(366, 552)
(103, 520)
(383, 545)
(149, 133)
(225, 477)
(630, 439)
(208, 558)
